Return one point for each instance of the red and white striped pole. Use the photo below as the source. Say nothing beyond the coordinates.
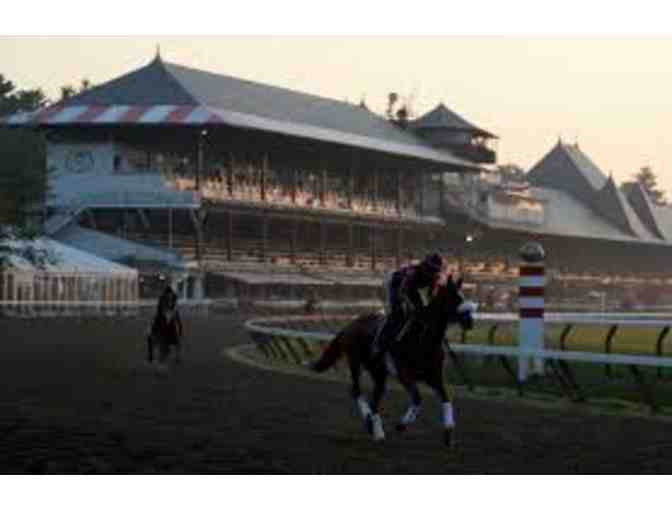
(531, 308)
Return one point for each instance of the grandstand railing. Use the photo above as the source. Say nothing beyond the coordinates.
(332, 202)
(132, 199)
(34, 308)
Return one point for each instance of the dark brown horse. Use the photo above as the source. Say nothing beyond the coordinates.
(417, 357)
(166, 328)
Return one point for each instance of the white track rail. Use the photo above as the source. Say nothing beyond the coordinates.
(264, 328)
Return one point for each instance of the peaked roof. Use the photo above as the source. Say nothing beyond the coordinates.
(148, 86)
(565, 159)
(442, 117)
(165, 93)
(566, 168)
(613, 204)
(658, 218)
(584, 165)
(639, 200)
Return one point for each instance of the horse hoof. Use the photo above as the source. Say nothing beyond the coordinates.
(401, 427)
(378, 432)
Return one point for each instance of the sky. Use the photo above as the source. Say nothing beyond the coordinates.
(612, 95)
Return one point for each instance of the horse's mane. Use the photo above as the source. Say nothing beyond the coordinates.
(431, 325)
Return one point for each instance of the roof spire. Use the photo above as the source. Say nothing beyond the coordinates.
(559, 139)
(158, 52)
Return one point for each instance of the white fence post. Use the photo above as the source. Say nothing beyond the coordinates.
(531, 308)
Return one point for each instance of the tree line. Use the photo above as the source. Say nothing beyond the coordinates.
(23, 172)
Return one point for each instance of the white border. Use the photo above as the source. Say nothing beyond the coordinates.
(347, 17)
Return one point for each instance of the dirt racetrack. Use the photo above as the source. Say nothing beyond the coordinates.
(75, 398)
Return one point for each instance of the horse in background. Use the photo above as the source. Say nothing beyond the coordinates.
(417, 356)
(166, 328)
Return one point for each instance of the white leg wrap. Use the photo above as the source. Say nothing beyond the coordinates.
(411, 415)
(363, 407)
(448, 418)
(378, 432)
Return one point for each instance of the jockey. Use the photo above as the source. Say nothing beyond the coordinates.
(404, 300)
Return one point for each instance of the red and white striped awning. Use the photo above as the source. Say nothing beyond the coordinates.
(91, 115)
(116, 114)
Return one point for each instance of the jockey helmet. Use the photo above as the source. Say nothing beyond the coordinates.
(432, 263)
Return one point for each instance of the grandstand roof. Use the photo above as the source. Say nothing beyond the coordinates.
(117, 249)
(442, 117)
(162, 93)
(657, 218)
(567, 216)
(566, 168)
(564, 160)
(64, 259)
(584, 164)
(580, 201)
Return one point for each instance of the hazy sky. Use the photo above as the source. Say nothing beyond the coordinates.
(612, 95)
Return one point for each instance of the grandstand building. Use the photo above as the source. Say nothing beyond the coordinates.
(209, 174)
(578, 213)
(228, 171)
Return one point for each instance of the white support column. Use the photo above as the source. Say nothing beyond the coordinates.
(30, 298)
(531, 308)
(4, 278)
(199, 291)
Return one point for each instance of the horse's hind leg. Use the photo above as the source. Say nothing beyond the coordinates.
(356, 391)
(379, 389)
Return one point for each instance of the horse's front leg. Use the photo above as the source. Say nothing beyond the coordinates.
(164, 350)
(447, 413)
(150, 348)
(413, 411)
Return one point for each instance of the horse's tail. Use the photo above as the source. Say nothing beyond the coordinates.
(351, 340)
(331, 353)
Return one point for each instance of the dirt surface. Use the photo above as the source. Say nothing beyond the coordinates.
(75, 397)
